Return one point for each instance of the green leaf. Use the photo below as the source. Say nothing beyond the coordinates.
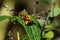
(19, 19)
(35, 32)
(32, 30)
(49, 34)
(55, 23)
(13, 18)
(2, 18)
(34, 20)
(55, 12)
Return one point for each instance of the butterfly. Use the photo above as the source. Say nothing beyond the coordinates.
(27, 19)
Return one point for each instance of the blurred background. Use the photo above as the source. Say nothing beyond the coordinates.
(35, 7)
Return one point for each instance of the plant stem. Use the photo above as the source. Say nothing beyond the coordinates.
(18, 35)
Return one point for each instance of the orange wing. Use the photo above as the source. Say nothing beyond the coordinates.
(27, 19)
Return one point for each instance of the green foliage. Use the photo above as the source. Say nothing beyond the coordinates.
(13, 18)
(49, 35)
(34, 20)
(32, 30)
(54, 12)
(20, 20)
(55, 23)
(2, 18)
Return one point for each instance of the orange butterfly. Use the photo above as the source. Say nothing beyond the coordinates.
(27, 19)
